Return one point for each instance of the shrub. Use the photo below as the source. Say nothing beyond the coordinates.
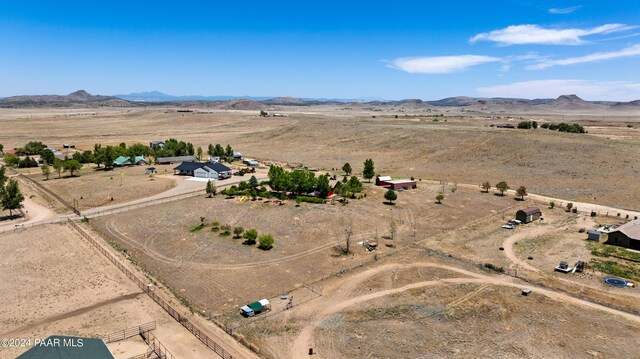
(265, 242)
(226, 230)
(309, 199)
(237, 232)
(250, 236)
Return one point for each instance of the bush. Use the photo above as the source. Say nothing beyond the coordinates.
(250, 236)
(237, 232)
(265, 242)
(226, 230)
(309, 199)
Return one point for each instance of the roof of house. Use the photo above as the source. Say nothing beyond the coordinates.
(630, 229)
(63, 347)
(384, 178)
(593, 231)
(192, 166)
(401, 181)
(530, 210)
(122, 160)
(176, 159)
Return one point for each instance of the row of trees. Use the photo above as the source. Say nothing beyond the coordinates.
(13, 160)
(299, 181)
(564, 127)
(10, 196)
(60, 166)
(502, 186)
(528, 125)
(218, 151)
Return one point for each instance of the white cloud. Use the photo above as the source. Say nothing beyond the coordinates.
(440, 64)
(534, 34)
(565, 10)
(588, 90)
(598, 56)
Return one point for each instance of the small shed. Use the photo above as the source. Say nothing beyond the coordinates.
(150, 171)
(528, 214)
(594, 235)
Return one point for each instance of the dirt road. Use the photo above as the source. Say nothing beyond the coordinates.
(337, 301)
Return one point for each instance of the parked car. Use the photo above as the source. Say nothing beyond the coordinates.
(508, 226)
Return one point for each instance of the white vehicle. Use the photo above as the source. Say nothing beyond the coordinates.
(508, 226)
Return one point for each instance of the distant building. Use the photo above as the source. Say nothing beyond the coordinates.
(126, 161)
(204, 170)
(627, 235)
(388, 182)
(175, 159)
(68, 145)
(156, 144)
(528, 214)
(237, 155)
(150, 171)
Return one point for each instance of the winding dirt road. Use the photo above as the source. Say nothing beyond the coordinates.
(332, 303)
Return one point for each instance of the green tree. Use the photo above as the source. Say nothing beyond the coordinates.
(47, 156)
(237, 231)
(253, 182)
(347, 168)
(354, 184)
(11, 198)
(211, 189)
(72, 166)
(57, 166)
(199, 153)
(393, 229)
(552, 204)
(265, 241)
(3, 177)
(502, 186)
(439, 198)
(210, 150)
(218, 151)
(534, 124)
(369, 170)
(46, 170)
(11, 159)
(486, 186)
(228, 151)
(521, 191)
(323, 186)
(569, 206)
(250, 236)
(1, 147)
(390, 195)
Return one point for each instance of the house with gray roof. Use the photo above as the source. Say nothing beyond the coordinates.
(204, 170)
(627, 235)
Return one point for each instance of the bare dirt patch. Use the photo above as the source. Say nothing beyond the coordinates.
(55, 283)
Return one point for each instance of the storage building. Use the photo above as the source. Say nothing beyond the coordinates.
(528, 214)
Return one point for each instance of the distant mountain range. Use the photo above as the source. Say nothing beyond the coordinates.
(82, 98)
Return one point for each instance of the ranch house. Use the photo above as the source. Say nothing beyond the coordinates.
(204, 170)
(627, 235)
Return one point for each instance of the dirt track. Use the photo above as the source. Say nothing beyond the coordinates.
(337, 301)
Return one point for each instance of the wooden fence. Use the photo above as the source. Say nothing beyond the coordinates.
(197, 332)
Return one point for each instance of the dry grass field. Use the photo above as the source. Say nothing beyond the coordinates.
(600, 167)
(95, 188)
(419, 295)
(417, 309)
(207, 268)
(54, 283)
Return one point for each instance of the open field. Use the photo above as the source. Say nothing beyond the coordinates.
(598, 167)
(98, 188)
(207, 268)
(54, 283)
(421, 294)
(438, 307)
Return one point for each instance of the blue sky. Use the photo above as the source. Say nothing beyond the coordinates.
(330, 49)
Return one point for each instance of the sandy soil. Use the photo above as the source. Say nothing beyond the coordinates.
(54, 282)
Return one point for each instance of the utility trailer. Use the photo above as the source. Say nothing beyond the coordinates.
(254, 308)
